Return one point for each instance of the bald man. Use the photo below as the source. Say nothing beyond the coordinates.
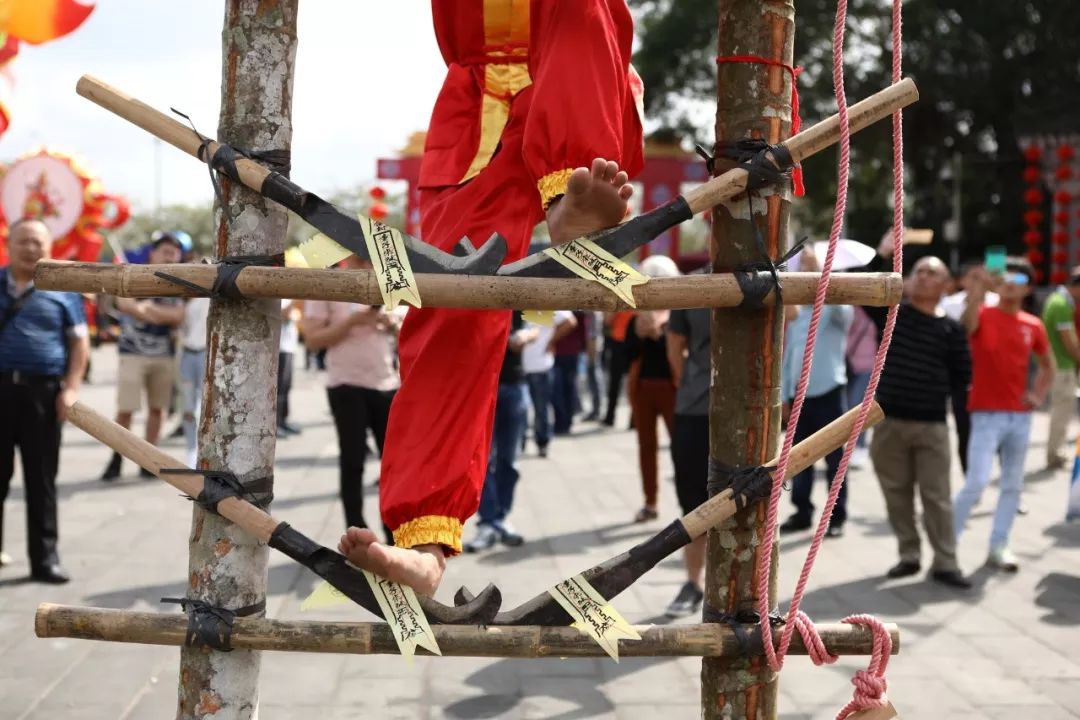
(43, 354)
(928, 361)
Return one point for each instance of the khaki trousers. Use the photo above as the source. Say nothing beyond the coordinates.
(906, 454)
(1062, 410)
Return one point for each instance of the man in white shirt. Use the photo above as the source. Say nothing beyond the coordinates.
(538, 361)
(193, 370)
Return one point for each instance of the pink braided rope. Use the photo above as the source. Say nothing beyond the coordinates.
(870, 685)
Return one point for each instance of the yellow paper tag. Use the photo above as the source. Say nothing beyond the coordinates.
(539, 317)
(403, 613)
(593, 615)
(324, 595)
(586, 259)
(322, 252)
(386, 247)
(881, 713)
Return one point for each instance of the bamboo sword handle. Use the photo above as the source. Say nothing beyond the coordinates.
(164, 127)
(810, 141)
(720, 507)
(134, 448)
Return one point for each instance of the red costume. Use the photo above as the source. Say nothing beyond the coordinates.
(533, 90)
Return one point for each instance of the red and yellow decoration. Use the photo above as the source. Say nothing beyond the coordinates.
(55, 188)
(33, 22)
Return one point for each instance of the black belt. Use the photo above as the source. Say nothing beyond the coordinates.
(193, 351)
(19, 377)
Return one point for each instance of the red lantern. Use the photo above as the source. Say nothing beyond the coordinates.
(1063, 173)
(379, 211)
(1063, 197)
(1058, 276)
(1033, 238)
(377, 193)
(1061, 218)
(1033, 154)
(1065, 153)
(1033, 218)
(1033, 196)
(1035, 257)
(1031, 175)
(1060, 257)
(1059, 237)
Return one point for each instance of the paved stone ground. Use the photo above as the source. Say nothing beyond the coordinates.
(1004, 650)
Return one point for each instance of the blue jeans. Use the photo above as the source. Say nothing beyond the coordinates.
(817, 412)
(192, 373)
(856, 388)
(991, 433)
(511, 416)
(540, 385)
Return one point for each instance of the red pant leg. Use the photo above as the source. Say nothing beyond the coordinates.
(440, 425)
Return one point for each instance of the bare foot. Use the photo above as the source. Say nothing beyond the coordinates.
(420, 567)
(594, 200)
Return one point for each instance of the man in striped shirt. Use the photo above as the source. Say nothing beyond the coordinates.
(928, 361)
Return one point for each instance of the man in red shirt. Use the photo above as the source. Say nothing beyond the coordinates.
(1003, 341)
(538, 120)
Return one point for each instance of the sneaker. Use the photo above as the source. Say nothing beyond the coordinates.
(112, 470)
(687, 602)
(485, 538)
(646, 514)
(542, 451)
(289, 428)
(795, 523)
(1022, 508)
(1002, 558)
(508, 535)
(952, 578)
(834, 531)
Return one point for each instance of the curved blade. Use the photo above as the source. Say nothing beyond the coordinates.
(620, 241)
(608, 578)
(334, 569)
(344, 229)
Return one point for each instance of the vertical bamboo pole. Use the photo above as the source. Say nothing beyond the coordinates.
(754, 101)
(227, 567)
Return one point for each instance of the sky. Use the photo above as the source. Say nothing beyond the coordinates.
(367, 74)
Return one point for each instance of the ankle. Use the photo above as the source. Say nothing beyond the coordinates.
(436, 551)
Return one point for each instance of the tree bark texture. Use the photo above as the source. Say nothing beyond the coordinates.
(754, 101)
(237, 431)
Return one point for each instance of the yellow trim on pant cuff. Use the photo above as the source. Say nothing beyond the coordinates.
(430, 530)
(553, 185)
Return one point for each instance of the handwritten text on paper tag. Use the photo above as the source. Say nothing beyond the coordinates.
(403, 613)
(386, 246)
(593, 615)
(587, 260)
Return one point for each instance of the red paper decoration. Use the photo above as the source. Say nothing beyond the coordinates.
(1059, 237)
(1033, 196)
(1061, 217)
(1033, 154)
(1063, 197)
(1065, 153)
(1033, 238)
(1031, 175)
(1033, 218)
(1060, 257)
(1040, 276)
(1058, 276)
(377, 193)
(1035, 256)
(1063, 173)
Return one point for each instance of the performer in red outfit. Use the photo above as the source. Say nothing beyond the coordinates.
(536, 93)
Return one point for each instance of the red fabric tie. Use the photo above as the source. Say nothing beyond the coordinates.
(796, 121)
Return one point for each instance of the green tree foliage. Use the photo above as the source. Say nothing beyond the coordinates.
(989, 73)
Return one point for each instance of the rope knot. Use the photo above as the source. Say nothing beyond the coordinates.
(869, 689)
